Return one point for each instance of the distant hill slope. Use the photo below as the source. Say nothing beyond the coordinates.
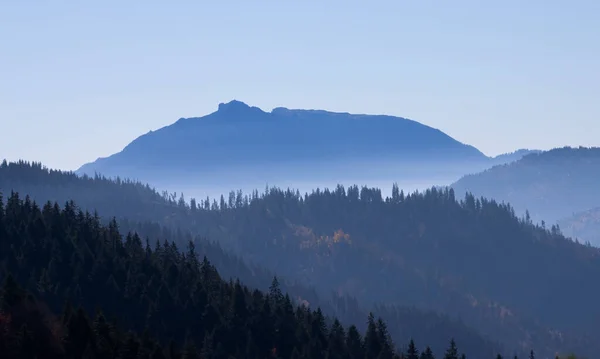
(506, 158)
(172, 299)
(139, 208)
(280, 145)
(472, 259)
(585, 226)
(552, 185)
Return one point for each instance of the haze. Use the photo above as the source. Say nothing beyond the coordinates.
(334, 179)
(83, 81)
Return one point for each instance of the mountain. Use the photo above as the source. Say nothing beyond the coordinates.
(312, 146)
(510, 157)
(472, 260)
(158, 217)
(551, 185)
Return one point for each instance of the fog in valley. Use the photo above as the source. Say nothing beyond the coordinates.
(409, 176)
(299, 180)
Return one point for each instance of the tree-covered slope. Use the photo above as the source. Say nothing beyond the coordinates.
(174, 304)
(156, 217)
(510, 157)
(583, 226)
(552, 185)
(473, 259)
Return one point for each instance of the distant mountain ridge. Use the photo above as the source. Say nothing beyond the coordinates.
(584, 226)
(507, 158)
(551, 185)
(241, 146)
(238, 134)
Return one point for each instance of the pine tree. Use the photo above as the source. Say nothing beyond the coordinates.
(427, 354)
(275, 292)
(354, 343)
(372, 344)
(336, 339)
(385, 340)
(412, 352)
(395, 193)
(452, 352)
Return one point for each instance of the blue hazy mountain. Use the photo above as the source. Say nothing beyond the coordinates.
(584, 226)
(507, 158)
(551, 185)
(243, 145)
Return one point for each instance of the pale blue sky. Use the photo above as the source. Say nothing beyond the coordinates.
(81, 81)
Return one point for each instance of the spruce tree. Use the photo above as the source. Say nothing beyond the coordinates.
(427, 354)
(452, 352)
(412, 352)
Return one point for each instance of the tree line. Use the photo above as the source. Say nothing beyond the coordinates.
(150, 301)
(431, 249)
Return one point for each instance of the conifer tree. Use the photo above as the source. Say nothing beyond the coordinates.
(412, 352)
(427, 354)
(452, 352)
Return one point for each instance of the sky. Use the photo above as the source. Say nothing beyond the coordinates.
(80, 80)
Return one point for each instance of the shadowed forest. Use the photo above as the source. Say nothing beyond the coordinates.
(351, 252)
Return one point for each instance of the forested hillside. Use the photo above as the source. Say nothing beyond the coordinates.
(584, 226)
(119, 197)
(510, 157)
(404, 322)
(149, 302)
(144, 203)
(551, 185)
(473, 259)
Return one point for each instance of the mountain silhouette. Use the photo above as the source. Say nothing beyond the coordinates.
(303, 145)
(506, 158)
(550, 185)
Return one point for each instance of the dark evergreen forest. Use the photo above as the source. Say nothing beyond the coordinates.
(150, 301)
(403, 256)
